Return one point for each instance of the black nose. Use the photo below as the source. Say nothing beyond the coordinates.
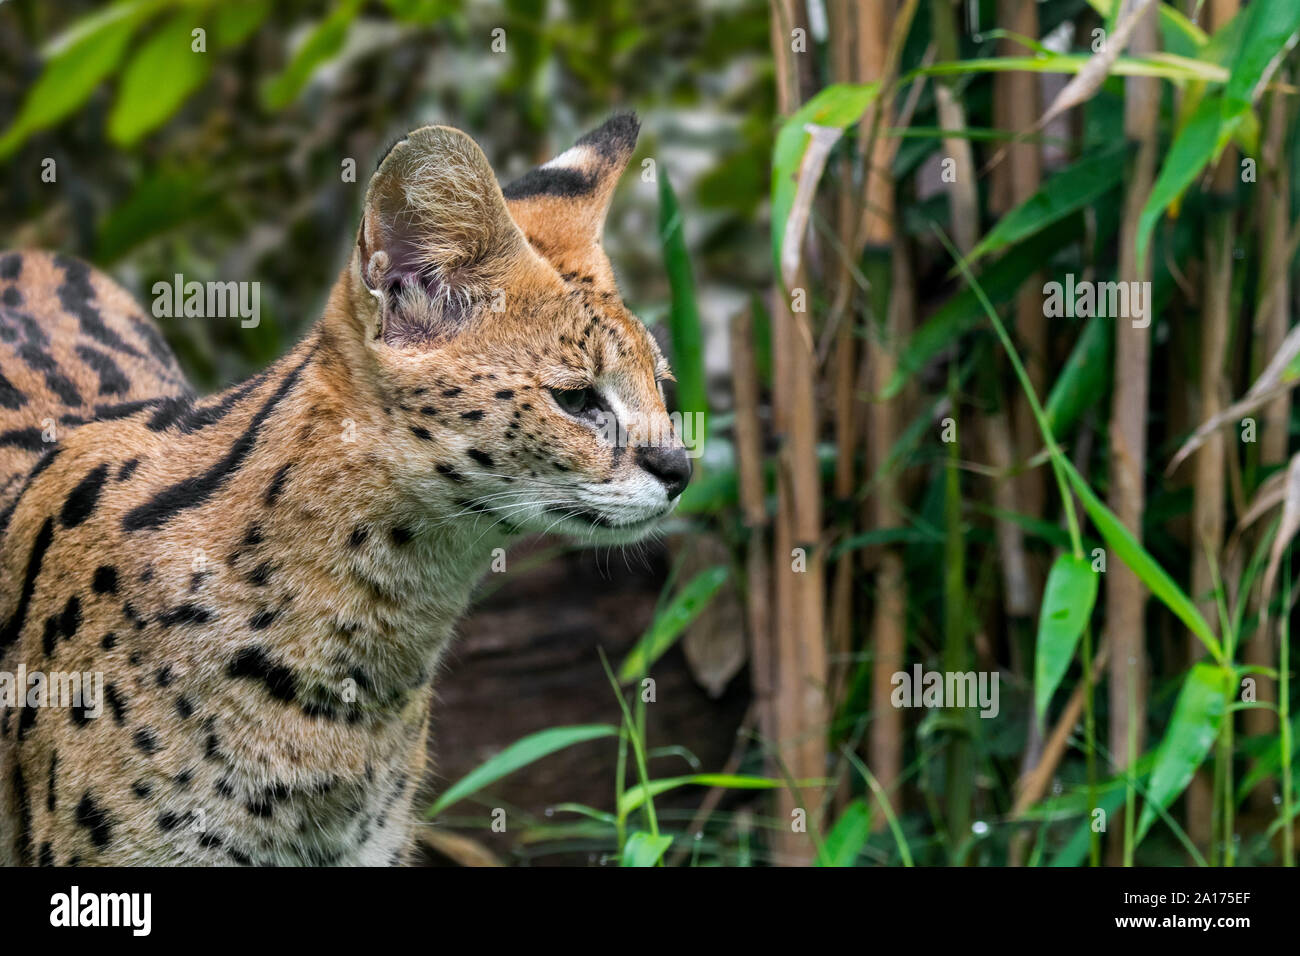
(672, 466)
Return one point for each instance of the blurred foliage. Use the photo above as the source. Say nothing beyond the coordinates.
(221, 155)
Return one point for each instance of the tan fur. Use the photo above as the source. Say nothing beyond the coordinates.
(289, 558)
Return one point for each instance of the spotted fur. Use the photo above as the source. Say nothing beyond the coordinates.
(266, 578)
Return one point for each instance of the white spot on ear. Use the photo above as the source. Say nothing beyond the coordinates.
(575, 157)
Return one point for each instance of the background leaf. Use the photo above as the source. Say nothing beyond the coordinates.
(519, 754)
(1074, 188)
(1068, 600)
(636, 796)
(69, 78)
(838, 106)
(1188, 738)
(848, 836)
(671, 621)
(645, 849)
(1127, 548)
(323, 42)
(683, 315)
(1085, 379)
(1199, 142)
(160, 77)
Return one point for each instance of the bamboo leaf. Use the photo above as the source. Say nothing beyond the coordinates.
(70, 76)
(669, 623)
(1075, 851)
(1190, 735)
(848, 836)
(1090, 77)
(1268, 762)
(683, 317)
(1120, 540)
(836, 107)
(110, 13)
(519, 754)
(645, 849)
(821, 139)
(160, 77)
(236, 22)
(322, 44)
(420, 11)
(1281, 374)
(869, 539)
(1085, 378)
(161, 202)
(1199, 142)
(591, 813)
(635, 796)
(1171, 19)
(1074, 188)
(1068, 600)
(1269, 29)
(1165, 66)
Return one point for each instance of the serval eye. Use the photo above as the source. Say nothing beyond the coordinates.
(574, 401)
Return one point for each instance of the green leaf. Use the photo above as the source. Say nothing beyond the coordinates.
(1120, 540)
(323, 43)
(519, 754)
(160, 203)
(1198, 143)
(159, 78)
(1268, 760)
(1171, 21)
(1068, 600)
(849, 835)
(1075, 851)
(1190, 735)
(592, 813)
(1164, 66)
(1074, 188)
(644, 849)
(683, 319)
(1268, 29)
(69, 77)
(236, 22)
(869, 539)
(837, 106)
(635, 796)
(1085, 378)
(671, 621)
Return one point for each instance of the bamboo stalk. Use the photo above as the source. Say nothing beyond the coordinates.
(748, 437)
(1208, 482)
(879, 38)
(963, 205)
(1016, 107)
(1125, 595)
(800, 671)
(1271, 322)
(846, 67)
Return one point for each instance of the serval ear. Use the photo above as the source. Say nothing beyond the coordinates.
(561, 205)
(436, 238)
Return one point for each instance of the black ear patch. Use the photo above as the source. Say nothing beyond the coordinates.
(597, 157)
(556, 181)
